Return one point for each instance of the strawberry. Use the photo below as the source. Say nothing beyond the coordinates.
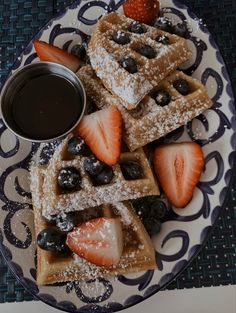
(99, 241)
(178, 167)
(144, 11)
(47, 52)
(101, 131)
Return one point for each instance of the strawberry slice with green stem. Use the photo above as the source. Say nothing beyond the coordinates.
(99, 241)
(178, 167)
(50, 53)
(102, 131)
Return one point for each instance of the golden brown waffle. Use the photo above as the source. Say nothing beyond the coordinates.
(149, 121)
(89, 195)
(105, 55)
(138, 252)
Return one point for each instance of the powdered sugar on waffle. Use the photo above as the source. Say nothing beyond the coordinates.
(55, 201)
(138, 249)
(129, 90)
(124, 213)
(149, 121)
(105, 55)
(92, 271)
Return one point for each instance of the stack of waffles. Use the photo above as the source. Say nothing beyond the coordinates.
(108, 83)
(138, 253)
(110, 200)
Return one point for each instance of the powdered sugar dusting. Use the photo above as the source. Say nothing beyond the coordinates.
(55, 201)
(105, 55)
(123, 211)
(149, 121)
(92, 271)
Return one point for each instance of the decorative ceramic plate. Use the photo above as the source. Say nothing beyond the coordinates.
(183, 231)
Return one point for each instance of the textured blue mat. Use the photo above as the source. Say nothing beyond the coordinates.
(216, 264)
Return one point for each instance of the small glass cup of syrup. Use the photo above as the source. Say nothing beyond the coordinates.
(43, 101)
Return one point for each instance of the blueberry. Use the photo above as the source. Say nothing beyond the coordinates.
(182, 86)
(120, 37)
(77, 146)
(69, 178)
(157, 209)
(131, 170)
(79, 51)
(152, 225)
(129, 64)
(149, 206)
(66, 221)
(141, 207)
(164, 24)
(180, 29)
(51, 239)
(104, 177)
(147, 51)
(162, 97)
(163, 39)
(92, 165)
(137, 28)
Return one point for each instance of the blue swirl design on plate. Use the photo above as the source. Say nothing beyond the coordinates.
(100, 4)
(106, 284)
(30, 58)
(58, 30)
(21, 191)
(200, 45)
(176, 256)
(13, 207)
(144, 283)
(11, 152)
(9, 234)
(224, 123)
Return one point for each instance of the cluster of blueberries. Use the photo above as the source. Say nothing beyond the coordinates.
(161, 97)
(54, 238)
(150, 209)
(123, 38)
(145, 50)
(69, 178)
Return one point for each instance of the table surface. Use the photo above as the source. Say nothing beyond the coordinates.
(216, 264)
(201, 300)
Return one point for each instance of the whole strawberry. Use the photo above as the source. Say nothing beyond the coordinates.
(143, 11)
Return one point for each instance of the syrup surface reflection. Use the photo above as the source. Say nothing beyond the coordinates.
(46, 106)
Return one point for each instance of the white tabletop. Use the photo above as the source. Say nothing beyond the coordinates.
(201, 300)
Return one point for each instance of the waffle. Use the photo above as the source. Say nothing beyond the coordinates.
(105, 55)
(89, 195)
(138, 252)
(149, 121)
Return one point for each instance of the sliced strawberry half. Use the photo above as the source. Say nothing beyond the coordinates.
(47, 52)
(102, 132)
(144, 11)
(178, 167)
(99, 241)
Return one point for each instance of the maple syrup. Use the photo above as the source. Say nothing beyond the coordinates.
(46, 106)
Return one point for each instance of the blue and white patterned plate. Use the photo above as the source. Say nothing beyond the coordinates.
(183, 232)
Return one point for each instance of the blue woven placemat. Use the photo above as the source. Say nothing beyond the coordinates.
(216, 264)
